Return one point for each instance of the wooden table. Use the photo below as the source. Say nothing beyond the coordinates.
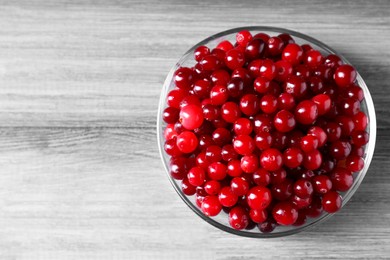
(81, 176)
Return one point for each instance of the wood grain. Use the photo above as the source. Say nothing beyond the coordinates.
(80, 175)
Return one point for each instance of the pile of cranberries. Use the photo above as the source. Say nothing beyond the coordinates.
(266, 130)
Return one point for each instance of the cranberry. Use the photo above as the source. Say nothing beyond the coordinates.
(226, 197)
(174, 97)
(306, 112)
(284, 121)
(261, 85)
(323, 103)
(268, 104)
(319, 133)
(221, 136)
(354, 163)
(280, 140)
(301, 203)
(244, 144)
(267, 69)
(341, 179)
(202, 88)
(234, 59)
(293, 53)
(333, 61)
(254, 49)
(183, 77)
(323, 72)
(267, 226)
(312, 160)
(213, 153)
(259, 197)
(196, 176)
(258, 215)
(170, 115)
(285, 213)
(333, 131)
(315, 208)
(349, 106)
(302, 71)
(331, 201)
(322, 184)
(249, 104)
(347, 125)
(243, 74)
(211, 206)
(261, 177)
(235, 87)
(286, 101)
(316, 85)
(292, 157)
(234, 168)
(218, 95)
(278, 176)
(243, 37)
(303, 188)
(262, 36)
(178, 168)
(200, 52)
(238, 218)
(295, 86)
(228, 153)
(354, 91)
(308, 143)
(360, 121)
(286, 38)
(345, 75)
(225, 46)
(262, 123)
(301, 218)
(170, 132)
(275, 46)
(282, 191)
(191, 117)
(187, 188)
(340, 150)
(271, 159)
(283, 70)
(263, 140)
(249, 163)
(230, 112)
(220, 77)
(212, 187)
(210, 112)
(217, 171)
(313, 58)
(243, 126)
(239, 186)
(359, 138)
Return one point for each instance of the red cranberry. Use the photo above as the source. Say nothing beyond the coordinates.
(283, 70)
(262, 36)
(210, 112)
(213, 153)
(347, 125)
(349, 106)
(258, 215)
(259, 197)
(196, 176)
(306, 112)
(278, 176)
(183, 77)
(345, 75)
(341, 179)
(360, 121)
(243, 126)
(284, 121)
(235, 87)
(354, 163)
(268, 104)
(286, 38)
(293, 53)
(323, 72)
(230, 112)
(312, 160)
(249, 104)
(262, 123)
(243, 74)
(187, 188)
(319, 133)
(315, 208)
(170, 132)
(292, 157)
(271, 159)
(244, 144)
(354, 91)
(316, 85)
(254, 49)
(239, 186)
(303, 188)
(191, 117)
(221, 136)
(243, 37)
(359, 138)
(263, 140)
(249, 163)
(217, 171)
(228, 153)
(267, 69)
(333, 61)
(322, 184)
(174, 97)
(210, 63)
(225, 46)
(200, 52)
(267, 226)
(308, 143)
(211, 206)
(313, 58)
(285, 213)
(333, 131)
(178, 167)
(331, 202)
(220, 77)
(212, 187)
(202, 88)
(323, 103)
(261, 177)
(261, 85)
(282, 191)
(275, 46)
(234, 59)
(280, 140)
(226, 197)
(170, 115)
(301, 203)
(187, 142)
(234, 168)
(238, 218)
(218, 95)
(295, 86)
(286, 101)
(340, 150)
(302, 71)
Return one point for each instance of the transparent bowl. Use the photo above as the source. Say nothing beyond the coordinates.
(221, 221)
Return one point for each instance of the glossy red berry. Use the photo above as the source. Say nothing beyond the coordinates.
(238, 218)
(226, 197)
(228, 153)
(230, 112)
(282, 191)
(211, 206)
(183, 77)
(306, 112)
(234, 168)
(285, 213)
(275, 46)
(187, 142)
(234, 59)
(331, 202)
(321, 184)
(249, 163)
(239, 186)
(312, 160)
(313, 58)
(218, 95)
(258, 215)
(360, 121)
(243, 37)
(200, 52)
(283, 70)
(342, 179)
(359, 138)
(213, 153)
(261, 177)
(254, 49)
(284, 121)
(191, 117)
(271, 159)
(319, 133)
(308, 143)
(293, 53)
(295, 86)
(217, 171)
(249, 104)
(303, 188)
(259, 197)
(354, 163)
(340, 150)
(345, 75)
(212, 187)
(268, 104)
(196, 176)
(323, 103)
(244, 144)
(225, 46)
(292, 157)
(333, 61)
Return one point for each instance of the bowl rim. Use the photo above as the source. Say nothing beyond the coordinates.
(369, 149)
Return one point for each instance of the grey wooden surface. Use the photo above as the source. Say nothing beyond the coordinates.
(80, 174)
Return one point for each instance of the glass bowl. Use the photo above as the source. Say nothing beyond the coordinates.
(221, 221)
